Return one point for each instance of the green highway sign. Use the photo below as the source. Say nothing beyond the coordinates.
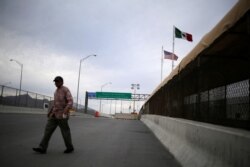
(113, 95)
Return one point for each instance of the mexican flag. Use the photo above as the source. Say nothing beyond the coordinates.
(183, 35)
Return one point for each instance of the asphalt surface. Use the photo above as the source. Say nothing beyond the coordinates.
(98, 142)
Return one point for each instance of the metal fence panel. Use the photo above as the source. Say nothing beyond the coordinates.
(238, 101)
(23, 99)
(9, 96)
(40, 101)
(226, 105)
(14, 97)
(32, 100)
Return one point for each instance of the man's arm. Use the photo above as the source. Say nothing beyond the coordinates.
(50, 109)
(69, 100)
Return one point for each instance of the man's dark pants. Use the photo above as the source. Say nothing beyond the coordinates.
(52, 124)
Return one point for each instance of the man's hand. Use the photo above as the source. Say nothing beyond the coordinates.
(65, 113)
(50, 112)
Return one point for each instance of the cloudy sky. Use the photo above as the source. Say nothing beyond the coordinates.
(49, 37)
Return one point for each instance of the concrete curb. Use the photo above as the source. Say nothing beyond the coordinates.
(196, 144)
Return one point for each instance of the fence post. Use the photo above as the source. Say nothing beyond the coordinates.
(198, 84)
(1, 98)
(225, 108)
(17, 98)
(86, 102)
(36, 101)
(208, 100)
(43, 100)
(26, 104)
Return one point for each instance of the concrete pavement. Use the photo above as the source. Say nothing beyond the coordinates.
(98, 142)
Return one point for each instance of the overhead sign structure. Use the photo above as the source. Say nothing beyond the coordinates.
(91, 95)
(113, 95)
(117, 95)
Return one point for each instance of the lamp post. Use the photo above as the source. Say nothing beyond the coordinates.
(134, 87)
(79, 78)
(100, 109)
(21, 65)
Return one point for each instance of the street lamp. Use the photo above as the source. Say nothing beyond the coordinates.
(134, 86)
(101, 91)
(20, 87)
(79, 78)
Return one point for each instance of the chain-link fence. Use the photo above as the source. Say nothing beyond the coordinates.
(14, 97)
(229, 102)
(225, 105)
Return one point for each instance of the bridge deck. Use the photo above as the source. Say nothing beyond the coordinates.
(98, 142)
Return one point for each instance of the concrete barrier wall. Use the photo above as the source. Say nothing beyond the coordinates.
(104, 115)
(196, 144)
(26, 110)
(13, 109)
(126, 116)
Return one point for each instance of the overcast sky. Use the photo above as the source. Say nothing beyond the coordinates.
(49, 37)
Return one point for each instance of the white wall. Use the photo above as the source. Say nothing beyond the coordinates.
(196, 144)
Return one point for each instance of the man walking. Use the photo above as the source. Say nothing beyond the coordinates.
(58, 116)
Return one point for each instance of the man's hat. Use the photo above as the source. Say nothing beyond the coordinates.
(58, 78)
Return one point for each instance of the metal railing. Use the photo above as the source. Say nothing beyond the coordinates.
(14, 97)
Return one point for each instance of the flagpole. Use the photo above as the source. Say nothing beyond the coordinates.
(161, 62)
(173, 48)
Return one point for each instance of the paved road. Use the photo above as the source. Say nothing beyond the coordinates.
(98, 142)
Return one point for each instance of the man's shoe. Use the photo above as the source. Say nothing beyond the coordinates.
(39, 150)
(68, 150)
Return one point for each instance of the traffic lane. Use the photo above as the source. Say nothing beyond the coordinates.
(97, 142)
